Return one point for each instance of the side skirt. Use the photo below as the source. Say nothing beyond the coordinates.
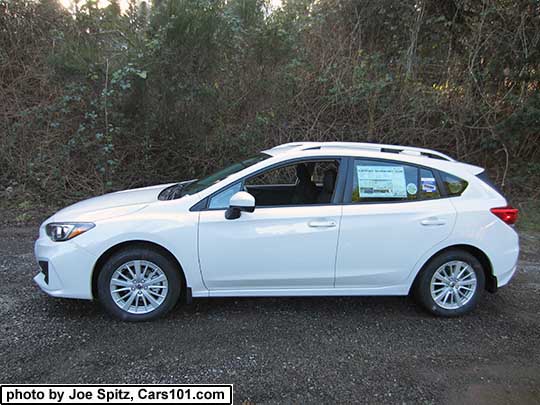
(295, 292)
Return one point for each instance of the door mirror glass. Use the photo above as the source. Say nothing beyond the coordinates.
(240, 201)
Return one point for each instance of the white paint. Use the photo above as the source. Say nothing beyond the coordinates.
(355, 249)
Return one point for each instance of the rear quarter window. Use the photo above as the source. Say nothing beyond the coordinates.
(454, 185)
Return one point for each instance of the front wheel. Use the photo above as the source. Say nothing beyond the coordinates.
(138, 284)
(451, 283)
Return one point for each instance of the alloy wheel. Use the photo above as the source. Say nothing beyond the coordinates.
(139, 286)
(453, 284)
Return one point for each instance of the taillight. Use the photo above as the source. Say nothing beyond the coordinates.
(507, 214)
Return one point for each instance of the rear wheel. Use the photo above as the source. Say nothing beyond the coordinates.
(139, 284)
(451, 283)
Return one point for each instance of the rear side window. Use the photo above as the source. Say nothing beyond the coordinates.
(375, 181)
(454, 185)
(428, 185)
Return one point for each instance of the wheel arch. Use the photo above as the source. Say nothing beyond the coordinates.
(479, 254)
(135, 243)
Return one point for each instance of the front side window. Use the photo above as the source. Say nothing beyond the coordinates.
(300, 183)
(221, 200)
(376, 181)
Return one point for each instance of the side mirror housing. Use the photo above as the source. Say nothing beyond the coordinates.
(240, 201)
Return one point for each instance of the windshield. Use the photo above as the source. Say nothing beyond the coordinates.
(206, 182)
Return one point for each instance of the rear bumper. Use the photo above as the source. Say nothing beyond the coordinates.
(68, 269)
(502, 249)
(504, 278)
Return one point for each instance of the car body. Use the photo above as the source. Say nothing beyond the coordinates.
(387, 213)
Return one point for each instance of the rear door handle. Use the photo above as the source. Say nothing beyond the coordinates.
(433, 222)
(322, 224)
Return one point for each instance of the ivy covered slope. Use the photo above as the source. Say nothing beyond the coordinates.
(98, 99)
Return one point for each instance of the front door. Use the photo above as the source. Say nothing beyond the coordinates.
(288, 243)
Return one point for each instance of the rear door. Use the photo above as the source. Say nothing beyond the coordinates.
(394, 214)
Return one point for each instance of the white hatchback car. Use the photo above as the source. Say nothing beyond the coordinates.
(300, 219)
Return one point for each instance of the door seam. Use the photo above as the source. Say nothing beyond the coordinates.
(199, 253)
(337, 246)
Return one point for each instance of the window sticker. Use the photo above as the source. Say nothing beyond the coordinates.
(381, 181)
(411, 188)
(428, 185)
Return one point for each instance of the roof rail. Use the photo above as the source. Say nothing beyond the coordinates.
(379, 147)
(376, 147)
(287, 147)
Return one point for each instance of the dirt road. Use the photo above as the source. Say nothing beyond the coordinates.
(287, 350)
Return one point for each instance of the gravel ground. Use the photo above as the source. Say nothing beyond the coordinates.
(286, 350)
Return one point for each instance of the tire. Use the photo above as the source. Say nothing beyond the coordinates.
(441, 293)
(143, 299)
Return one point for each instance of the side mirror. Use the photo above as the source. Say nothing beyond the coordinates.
(241, 201)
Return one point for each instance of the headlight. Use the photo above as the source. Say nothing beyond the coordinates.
(60, 232)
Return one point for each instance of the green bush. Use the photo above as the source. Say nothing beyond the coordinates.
(95, 100)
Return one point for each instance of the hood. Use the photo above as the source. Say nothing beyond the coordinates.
(110, 205)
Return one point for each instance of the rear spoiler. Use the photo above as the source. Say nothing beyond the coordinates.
(475, 170)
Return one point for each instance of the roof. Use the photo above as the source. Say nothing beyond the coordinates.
(358, 146)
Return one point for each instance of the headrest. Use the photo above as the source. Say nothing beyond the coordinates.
(329, 180)
(302, 172)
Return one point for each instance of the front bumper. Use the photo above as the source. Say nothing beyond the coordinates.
(69, 269)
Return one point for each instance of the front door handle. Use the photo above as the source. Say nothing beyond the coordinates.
(322, 224)
(433, 221)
